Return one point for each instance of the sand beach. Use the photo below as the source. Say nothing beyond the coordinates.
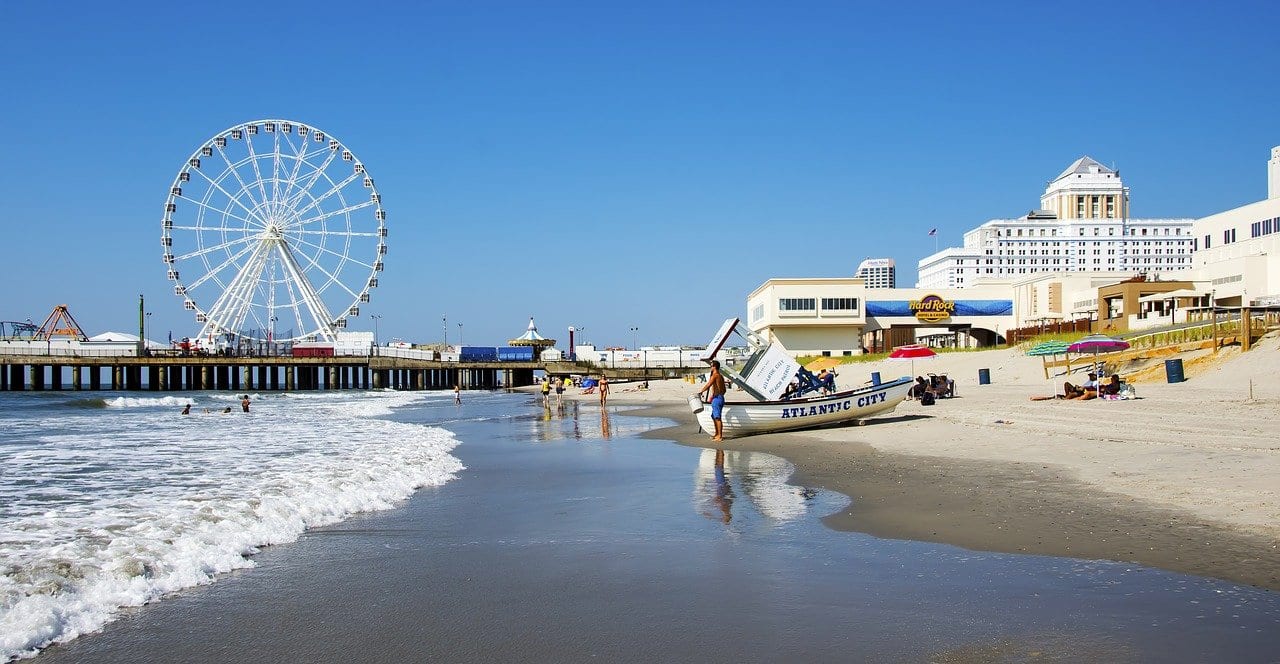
(1184, 478)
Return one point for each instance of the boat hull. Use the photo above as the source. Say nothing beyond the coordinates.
(746, 418)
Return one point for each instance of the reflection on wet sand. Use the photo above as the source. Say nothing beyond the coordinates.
(762, 478)
(604, 424)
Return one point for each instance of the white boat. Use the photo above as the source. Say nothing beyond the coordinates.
(769, 378)
(745, 418)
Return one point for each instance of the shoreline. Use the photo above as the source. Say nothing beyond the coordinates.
(1155, 482)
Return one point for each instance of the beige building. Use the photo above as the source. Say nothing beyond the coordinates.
(843, 317)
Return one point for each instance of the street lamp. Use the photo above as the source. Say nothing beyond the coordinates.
(146, 327)
(444, 324)
(271, 337)
(376, 318)
(633, 338)
(459, 335)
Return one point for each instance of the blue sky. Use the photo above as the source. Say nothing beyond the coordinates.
(644, 165)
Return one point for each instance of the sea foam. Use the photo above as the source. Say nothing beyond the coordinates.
(116, 511)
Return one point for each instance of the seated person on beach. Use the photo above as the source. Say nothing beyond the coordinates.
(919, 388)
(828, 381)
(1112, 388)
(1087, 391)
(941, 386)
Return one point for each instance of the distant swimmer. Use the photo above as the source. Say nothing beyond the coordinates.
(227, 409)
(244, 403)
(186, 410)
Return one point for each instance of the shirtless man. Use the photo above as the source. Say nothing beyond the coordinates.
(715, 390)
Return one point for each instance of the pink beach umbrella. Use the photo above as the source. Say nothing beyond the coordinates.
(912, 352)
(1097, 343)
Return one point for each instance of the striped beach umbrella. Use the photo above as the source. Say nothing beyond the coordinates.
(1051, 348)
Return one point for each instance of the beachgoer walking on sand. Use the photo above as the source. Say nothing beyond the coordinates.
(457, 394)
(560, 392)
(546, 392)
(715, 391)
(244, 403)
(186, 410)
(603, 389)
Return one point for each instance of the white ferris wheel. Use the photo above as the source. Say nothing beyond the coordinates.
(273, 230)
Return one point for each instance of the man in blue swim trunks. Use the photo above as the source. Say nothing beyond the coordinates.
(715, 390)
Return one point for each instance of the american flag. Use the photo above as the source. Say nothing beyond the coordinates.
(933, 231)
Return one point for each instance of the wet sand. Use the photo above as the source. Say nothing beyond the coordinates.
(1003, 507)
(1185, 478)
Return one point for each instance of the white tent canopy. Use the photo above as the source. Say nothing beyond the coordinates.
(1179, 294)
(122, 337)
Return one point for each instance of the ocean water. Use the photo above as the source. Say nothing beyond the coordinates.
(112, 500)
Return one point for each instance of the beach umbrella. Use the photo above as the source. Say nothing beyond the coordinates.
(912, 352)
(1051, 348)
(1097, 343)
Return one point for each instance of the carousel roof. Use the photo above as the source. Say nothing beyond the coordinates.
(531, 337)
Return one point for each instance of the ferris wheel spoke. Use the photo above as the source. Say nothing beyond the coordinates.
(345, 258)
(235, 170)
(313, 264)
(224, 213)
(333, 190)
(214, 248)
(303, 231)
(292, 199)
(275, 170)
(215, 271)
(257, 172)
(334, 213)
(315, 306)
(218, 185)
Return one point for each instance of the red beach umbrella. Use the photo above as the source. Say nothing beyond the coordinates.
(912, 352)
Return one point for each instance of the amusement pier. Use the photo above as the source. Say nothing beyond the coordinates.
(57, 355)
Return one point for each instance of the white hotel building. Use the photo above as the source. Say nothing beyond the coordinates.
(1083, 225)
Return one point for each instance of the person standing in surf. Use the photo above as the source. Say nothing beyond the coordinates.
(715, 391)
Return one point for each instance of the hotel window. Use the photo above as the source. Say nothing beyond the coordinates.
(1079, 206)
(797, 304)
(757, 313)
(839, 304)
(1094, 207)
(1111, 206)
(1206, 242)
